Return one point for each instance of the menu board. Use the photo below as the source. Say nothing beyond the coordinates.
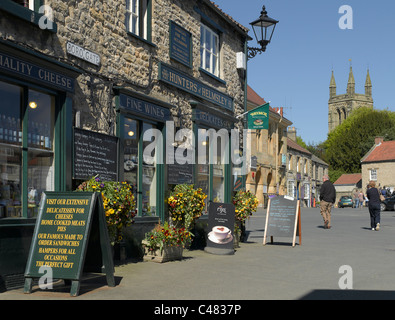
(95, 154)
(283, 219)
(62, 236)
(221, 223)
(180, 173)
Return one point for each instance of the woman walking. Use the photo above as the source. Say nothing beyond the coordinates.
(374, 205)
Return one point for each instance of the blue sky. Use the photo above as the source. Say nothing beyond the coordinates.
(295, 70)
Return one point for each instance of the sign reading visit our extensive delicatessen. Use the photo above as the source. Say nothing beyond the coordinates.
(62, 236)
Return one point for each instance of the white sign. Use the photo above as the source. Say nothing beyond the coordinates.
(82, 53)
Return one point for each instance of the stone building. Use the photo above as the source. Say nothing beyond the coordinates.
(111, 70)
(378, 164)
(340, 106)
(269, 148)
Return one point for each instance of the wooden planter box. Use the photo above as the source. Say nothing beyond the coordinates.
(168, 254)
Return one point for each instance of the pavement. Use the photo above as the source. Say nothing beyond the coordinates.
(349, 261)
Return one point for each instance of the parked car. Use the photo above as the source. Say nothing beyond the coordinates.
(388, 203)
(345, 201)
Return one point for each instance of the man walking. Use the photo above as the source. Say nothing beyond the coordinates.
(327, 198)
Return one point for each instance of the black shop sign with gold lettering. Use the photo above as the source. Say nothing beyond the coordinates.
(70, 237)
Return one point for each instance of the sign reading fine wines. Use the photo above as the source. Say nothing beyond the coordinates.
(70, 234)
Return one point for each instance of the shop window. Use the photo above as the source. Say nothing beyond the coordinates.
(138, 18)
(25, 155)
(141, 175)
(209, 50)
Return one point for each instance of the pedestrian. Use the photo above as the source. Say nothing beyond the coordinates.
(327, 198)
(360, 198)
(374, 205)
(356, 199)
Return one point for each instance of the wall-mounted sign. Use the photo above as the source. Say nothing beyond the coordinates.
(46, 76)
(95, 154)
(185, 82)
(82, 53)
(259, 117)
(180, 44)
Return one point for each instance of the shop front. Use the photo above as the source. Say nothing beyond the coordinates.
(35, 117)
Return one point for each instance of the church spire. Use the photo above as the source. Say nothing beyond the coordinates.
(332, 87)
(368, 85)
(351, 83)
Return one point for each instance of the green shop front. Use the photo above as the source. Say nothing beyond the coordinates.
(35, 138)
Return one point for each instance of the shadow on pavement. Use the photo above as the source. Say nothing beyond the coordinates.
(349, 295)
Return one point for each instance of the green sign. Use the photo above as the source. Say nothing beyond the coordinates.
(259, 117)
(70, 237)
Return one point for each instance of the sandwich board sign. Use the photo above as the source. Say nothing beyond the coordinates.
(70, 237)
(221, 222)
(283, 219)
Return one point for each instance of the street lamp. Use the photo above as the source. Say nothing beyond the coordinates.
(263, 29)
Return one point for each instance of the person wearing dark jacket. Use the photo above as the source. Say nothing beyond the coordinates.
(327, 198)
(374, 205)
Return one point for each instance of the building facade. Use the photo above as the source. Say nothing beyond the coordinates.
(340, 106)
(111, 71)
(379, 165)
(267, 174)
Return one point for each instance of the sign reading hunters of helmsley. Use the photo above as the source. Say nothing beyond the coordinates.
(70, 237)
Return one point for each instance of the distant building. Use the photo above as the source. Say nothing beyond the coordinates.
(379, 164)
(347, 184)
(341, 106)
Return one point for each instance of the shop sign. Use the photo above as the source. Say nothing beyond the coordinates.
(212, 120)
(221, 221)
(26, 69)
(144, 108)
(70, 237)
(180, 44)
(82, 53)
(184, 82)
(259, 117)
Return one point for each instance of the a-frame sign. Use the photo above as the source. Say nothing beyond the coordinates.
(70, 237)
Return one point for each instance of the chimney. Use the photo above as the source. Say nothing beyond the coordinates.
(378, 140)
(292, 133)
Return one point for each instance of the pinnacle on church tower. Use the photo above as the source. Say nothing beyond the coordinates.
(368, 85)
(351, 83)
(332, 87)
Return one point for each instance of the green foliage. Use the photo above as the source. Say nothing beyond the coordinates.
(350, 141)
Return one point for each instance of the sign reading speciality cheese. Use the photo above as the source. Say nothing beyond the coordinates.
(61, 236)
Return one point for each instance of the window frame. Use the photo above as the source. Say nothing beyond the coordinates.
(142, 12)
(372, 173)
(212, 53)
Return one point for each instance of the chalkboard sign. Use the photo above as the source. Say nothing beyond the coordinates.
(95, 154)
(221, 223)
(69, 225)
(180, 173)
(283, 219)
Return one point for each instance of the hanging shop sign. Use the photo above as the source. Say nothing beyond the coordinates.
(31, 71)
(95, 154)
(259, 117)
(70, 237)
(283, 219)
(180, 44)
(82, 53)
(185, 82)
(221, 223)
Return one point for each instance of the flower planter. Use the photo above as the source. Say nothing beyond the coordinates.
(168, 253)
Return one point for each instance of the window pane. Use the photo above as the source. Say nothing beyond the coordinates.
(41, 114)
(131, 158)
(10, 150)
(149, 181)
(208, 40)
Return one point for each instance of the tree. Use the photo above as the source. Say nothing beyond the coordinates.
(351, 140)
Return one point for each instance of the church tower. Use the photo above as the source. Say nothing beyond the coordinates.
(341, 106)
